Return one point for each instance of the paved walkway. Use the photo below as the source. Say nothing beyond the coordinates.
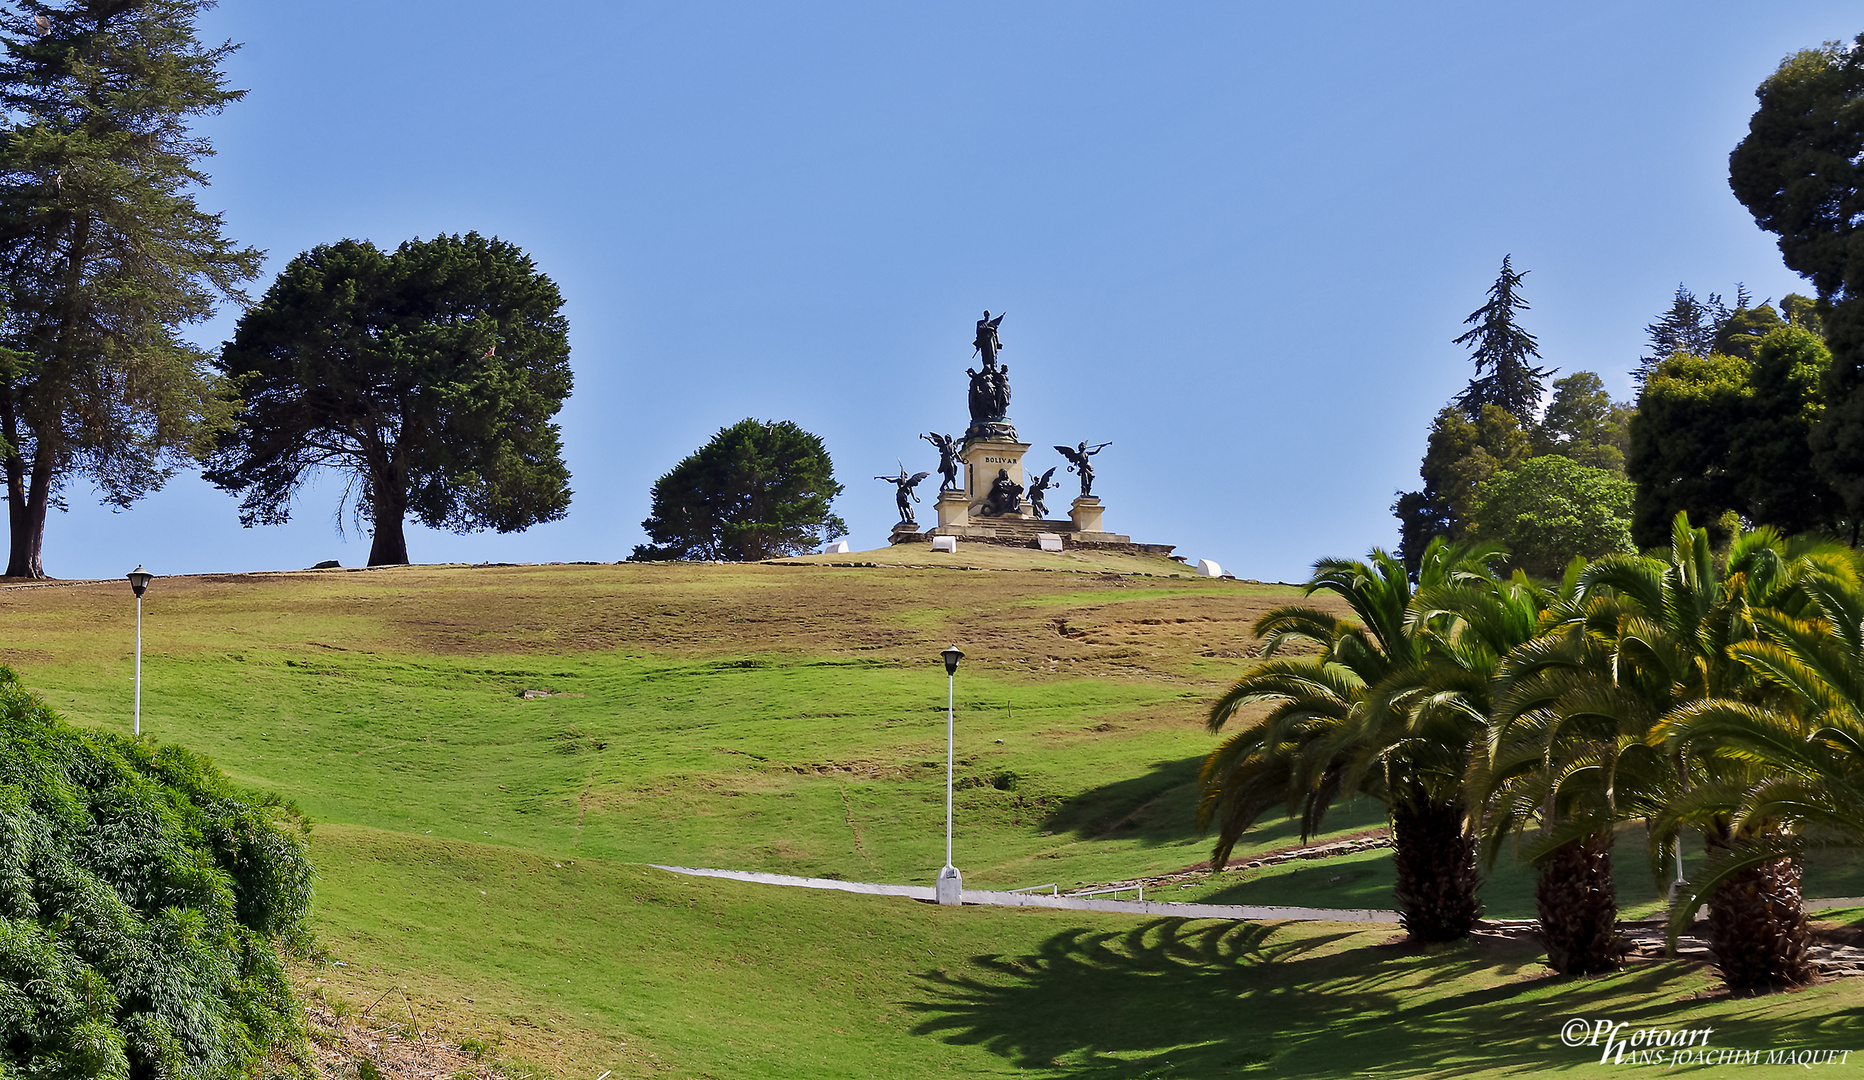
(1072, 903)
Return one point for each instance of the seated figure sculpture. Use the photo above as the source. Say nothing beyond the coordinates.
(1006, 496)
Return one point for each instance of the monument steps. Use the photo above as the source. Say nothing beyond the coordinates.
(1008, 528)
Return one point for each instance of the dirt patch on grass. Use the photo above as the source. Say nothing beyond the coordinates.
(354, 1047)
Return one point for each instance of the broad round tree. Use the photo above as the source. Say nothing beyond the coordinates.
(759, 489)
(429, 374)
(1549, 509)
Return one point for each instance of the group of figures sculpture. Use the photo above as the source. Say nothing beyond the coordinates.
(989, 402)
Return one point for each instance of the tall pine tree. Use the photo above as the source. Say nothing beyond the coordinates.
(104, 253)
(1502, 352)
(1485, 431)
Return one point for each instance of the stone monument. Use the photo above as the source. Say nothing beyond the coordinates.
(997, 502)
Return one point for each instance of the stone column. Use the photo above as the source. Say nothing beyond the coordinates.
(954, 508)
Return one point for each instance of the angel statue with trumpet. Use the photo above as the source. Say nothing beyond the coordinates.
(904, 486)
(1078, 462)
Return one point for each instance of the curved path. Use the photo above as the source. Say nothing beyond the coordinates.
(1073, 903)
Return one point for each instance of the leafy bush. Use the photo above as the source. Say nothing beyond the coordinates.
(1549, 509)
(140, 902)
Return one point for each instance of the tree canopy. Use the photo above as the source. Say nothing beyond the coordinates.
(1687, 414)
(1549, 509)
(1800, 172)
(1460, 455)
(1800, 169)
(105, 253)
(429, 374)
(1688, 326)
(1583, 424)
(1721, 433)
(757, 490)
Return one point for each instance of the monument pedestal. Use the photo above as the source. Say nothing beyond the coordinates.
(1087, 514)
(954, 508)
(905, 532)
(984, 461)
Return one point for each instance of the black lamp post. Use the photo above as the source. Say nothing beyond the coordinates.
(139, 581)
(950, 889)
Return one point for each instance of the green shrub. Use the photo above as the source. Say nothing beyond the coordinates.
(140, 902)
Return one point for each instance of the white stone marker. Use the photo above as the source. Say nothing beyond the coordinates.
(1048, 541)
(1207, 568)
(947, 544)
(839, 547)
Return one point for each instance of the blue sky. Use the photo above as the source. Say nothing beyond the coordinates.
(1234, 239)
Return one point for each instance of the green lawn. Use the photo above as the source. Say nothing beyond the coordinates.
(476, 846)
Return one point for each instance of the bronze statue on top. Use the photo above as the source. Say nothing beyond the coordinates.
(987, 341)
(990, 388)
(1078, 458)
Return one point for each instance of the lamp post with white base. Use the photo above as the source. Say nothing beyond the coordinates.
(950, 889)
(139, 580)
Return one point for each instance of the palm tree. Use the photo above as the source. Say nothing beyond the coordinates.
(1567, 760)
(1360, 715)
(1782, 764)
(1581, 741)
(1632, 642)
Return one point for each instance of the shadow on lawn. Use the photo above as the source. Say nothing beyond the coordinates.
(1197, 999)
(1156, 807)
(1160, 807)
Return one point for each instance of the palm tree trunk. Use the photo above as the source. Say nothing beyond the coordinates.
(1434, 856)
(1757, 926)
(1579, 907)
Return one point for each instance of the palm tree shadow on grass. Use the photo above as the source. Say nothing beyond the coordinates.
(1179, 998)
(1156, 807)
(1160, 806)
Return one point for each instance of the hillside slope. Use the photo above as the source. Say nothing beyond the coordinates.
(489, 751)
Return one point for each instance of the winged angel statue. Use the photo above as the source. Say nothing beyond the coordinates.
(1078, 462)
(904, 485)
(1038, 489)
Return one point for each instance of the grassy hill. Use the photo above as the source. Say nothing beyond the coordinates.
(489, 750)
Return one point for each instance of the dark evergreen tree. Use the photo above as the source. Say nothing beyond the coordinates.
(429, 374)
(757, 490)
(1730, 433)
(1800, 172)
(1771, 452)
(104, 252)
(1688, 327)
(1686, 418)
(1502, 352)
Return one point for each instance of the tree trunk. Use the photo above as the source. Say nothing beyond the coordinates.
(1757, 926)
(1579, 907)
(1435, 860)
(390, 546)
(27, 500)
